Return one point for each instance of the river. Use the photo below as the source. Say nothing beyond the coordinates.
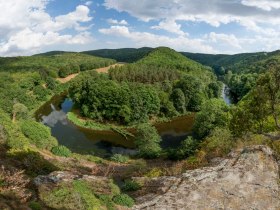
(103, 143)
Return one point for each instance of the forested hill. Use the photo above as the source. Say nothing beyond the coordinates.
(50, 53)
(128, 55)
(238, 63)
(54, 64)
(166, 57)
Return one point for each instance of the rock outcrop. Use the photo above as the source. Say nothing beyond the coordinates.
(248, 179)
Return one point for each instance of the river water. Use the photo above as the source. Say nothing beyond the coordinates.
(103, 143)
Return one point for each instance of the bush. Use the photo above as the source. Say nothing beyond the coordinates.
(218, 143)
(33, 163)
(61, 151)
(35, 205)
(38, 134)
(130, 185)
(147, 141)
(123, 200)
(120, 158)
(72, 196)
(214, 113)
(187, 148)
(155, 172)
(106, 200)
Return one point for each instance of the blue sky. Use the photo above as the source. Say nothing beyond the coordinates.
(212, 26)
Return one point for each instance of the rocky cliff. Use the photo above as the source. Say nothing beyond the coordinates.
(247, 179)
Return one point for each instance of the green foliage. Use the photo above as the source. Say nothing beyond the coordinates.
(61, 151)
(102, 99)
(214, 113)
(11, 132)
(32, 162)
(128, 55)
(35, 205)
(20, 111)
(255, 111)
(218, 144)
(106, 200)
(143, 73)
(153, 173)
(168, 58)
(74, 195)
(38, 134)
(130, 185)
(179, 100)
(64, 64)
(186, 149)
(123, 200)
(148, 141)
(119, 158)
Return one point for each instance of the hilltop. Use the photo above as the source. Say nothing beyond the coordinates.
(127, 55)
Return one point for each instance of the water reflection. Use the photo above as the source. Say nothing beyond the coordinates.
(103, 143)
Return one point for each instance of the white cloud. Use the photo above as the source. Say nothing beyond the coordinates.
(88, 3)
(257, 21)
(25, 26)
(266, 5)
(170, 26)
(148, 39)
(116, 22)
(213, 12)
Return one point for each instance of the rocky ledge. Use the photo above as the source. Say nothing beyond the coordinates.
(247, 179)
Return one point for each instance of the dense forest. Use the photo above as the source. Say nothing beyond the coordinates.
(240, 71)
(162, 84)
(54, 65)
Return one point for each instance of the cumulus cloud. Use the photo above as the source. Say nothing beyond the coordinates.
(26, 27)
(116, 22)
(267, 5)
(259, 19)
(148, 39)
(215, 13)
(170, 26)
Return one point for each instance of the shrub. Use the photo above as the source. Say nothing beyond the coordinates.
(106, 200)
(130, 185)
(120, 158)
(147, 141)
(35, 205)
(187, 148)
(61, 151)
(39, 134)
(123, 200)
(33, 163)
(72, 196)
(155, 172)
(218, 143)
(214, 113)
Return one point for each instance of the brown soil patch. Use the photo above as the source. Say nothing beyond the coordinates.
(100, 70)
(106, 69)
(68, 78)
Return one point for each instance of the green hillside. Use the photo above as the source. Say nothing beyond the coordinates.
(54, 65)
(127, 55)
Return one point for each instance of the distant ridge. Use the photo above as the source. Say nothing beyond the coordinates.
(52, 53)
(128, 55)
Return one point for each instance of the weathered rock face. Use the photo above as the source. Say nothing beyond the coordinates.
(247, 180)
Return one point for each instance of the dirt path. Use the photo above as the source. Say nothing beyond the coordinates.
(100, 70)
(106, 69)
(68, 78)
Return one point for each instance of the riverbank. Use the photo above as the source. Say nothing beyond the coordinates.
(129, 130)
